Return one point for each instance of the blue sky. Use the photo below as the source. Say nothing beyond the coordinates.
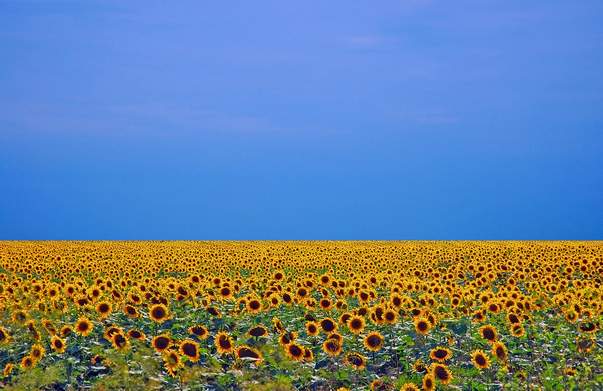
(407, 119)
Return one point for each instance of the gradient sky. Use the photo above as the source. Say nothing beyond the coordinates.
(407, 119)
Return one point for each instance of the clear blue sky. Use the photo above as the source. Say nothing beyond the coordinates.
(407, 119)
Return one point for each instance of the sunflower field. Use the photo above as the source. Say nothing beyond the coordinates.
(301, 315)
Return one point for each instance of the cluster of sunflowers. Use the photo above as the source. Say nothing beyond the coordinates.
(301, 315)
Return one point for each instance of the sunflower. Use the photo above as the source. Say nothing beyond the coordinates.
(4, 336)
(27, 362)
(422, 326)
(19, 316)
(312, 328)
(120, 342)
(295, 351)
(110, 331)
(104, 309)
(224, 343)
(499, 350)
(136, 334)
(286, 338)
(308, 355)
(225, 293)
(8, 369)
(441, 373)
(258, 331)
(356, 360)
(190, 349)
(409, 387)
(588, 327)
(373, 341)
(378, 385)
(254, 306)
(356, 324)
(419, 366)
(332, 347)
(161, 342)
(328, 325)
(172, 362)
(428, 382)
(585, 345)
(440, 354)
(488, 332)
(390, 316)
(158, 313)
(37, 352)
(66, 331)
(83, 326)
(57, 344)
(480, 359)
(325, 304)
(131, 311)
(245, 352)
(517, 330)
(49, 327)
(199, 331)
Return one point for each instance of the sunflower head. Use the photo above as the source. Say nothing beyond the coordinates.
(189, 349)
(158, 313)
(480, 359)
(373, 341)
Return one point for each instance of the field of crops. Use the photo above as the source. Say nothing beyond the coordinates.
(301, 315)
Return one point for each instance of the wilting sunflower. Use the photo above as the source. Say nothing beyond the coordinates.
(104, 309)
(373, 341)
(83, 326)
(295, 351)
(499, 350)
(120, 342)
(488, 332)
(190, 349)
(245, 352)
(441, 373)
(158, 313)
(480, 359)
(161, 343)
(356, 360)
(356, 324)
(199, 331)
(57, 344)
(332, 347)
(422, 326)
(223, 343)
(440, 354)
